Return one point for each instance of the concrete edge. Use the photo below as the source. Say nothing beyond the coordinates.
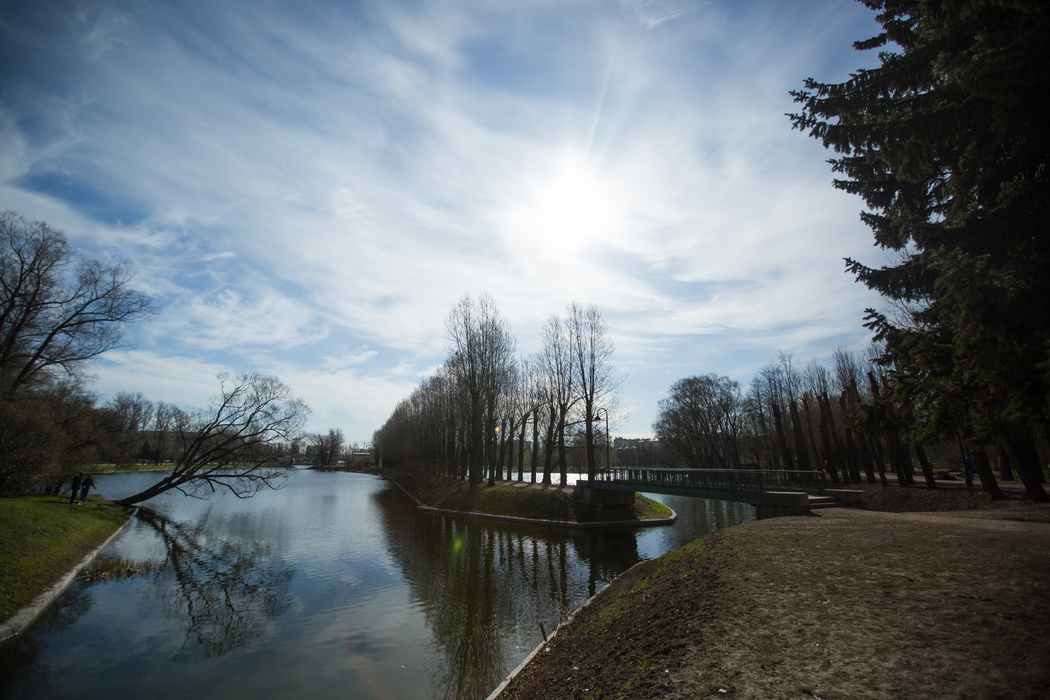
(14, 626)
(542, 645)
(630, 524)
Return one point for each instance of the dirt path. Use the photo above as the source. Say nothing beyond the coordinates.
(845, 604)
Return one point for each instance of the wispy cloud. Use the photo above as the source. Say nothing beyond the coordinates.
(309, 189)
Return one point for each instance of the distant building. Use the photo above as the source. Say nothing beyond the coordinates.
(360, 459)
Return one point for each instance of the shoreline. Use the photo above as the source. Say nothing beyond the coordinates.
(16, 625)
(574, 525)
(844, 603)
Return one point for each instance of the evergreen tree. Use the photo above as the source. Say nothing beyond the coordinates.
(948, 143)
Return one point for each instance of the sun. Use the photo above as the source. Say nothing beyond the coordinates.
(566, 208)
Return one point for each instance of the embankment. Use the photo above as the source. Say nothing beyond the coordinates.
(844, 604)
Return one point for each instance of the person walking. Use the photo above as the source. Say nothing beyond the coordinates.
(76, 487)
(85, 486)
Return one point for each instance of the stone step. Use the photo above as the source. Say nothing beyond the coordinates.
(818, 502)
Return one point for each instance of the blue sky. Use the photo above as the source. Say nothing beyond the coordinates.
(307, 188)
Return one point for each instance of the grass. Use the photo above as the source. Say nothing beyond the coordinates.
(123, 468)
(542, 504)
(42, 537)
(538, 504)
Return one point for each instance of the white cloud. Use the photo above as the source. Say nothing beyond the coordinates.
(311, 190)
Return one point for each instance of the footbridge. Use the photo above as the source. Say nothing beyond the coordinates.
(772, 492)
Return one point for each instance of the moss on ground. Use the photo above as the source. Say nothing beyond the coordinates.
(42, 537)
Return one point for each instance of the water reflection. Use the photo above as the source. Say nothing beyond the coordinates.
(488, 588)
(22, 658)
(337, 576)
(222, 591)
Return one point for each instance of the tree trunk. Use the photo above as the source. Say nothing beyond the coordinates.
(867, 459)
(1006, 472)
(1024, 455)
(927, 469)
(778, 422)
(477, 442)
(829, 438)
(548, 453)
(521, 447)
(563, 466)
(984, 469)
(820, 456)
(535, 457)
(897, 455)
(801, 453)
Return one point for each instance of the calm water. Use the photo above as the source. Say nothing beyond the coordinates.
(333, 585)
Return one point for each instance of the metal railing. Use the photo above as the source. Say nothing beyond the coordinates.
(741, 481)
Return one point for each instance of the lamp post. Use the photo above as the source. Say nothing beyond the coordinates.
(608, 438)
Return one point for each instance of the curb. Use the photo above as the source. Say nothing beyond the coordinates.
(494, 695)
(14, 626)
(624, 525)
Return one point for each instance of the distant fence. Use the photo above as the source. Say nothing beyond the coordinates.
(744, 482)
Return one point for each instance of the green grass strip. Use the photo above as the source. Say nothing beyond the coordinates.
(538, 504)
(42, 537)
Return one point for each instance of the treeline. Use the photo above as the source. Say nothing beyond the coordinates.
(328, 449)
(488, 411)
(845, 419)
(947, 142)
(59, 310)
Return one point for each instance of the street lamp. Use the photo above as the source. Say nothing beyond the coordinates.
(608, 438)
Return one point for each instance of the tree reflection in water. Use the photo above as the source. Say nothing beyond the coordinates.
(486, 587)
(20, 657)
(224, 592)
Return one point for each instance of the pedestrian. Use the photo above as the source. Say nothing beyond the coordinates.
(85, 486)
(76, 487)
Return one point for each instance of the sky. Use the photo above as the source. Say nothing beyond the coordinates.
(307, 188)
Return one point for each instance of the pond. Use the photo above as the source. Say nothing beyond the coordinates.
(333, 585)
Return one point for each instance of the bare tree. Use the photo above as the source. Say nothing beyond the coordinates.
(700, 421)
(235, 444)
(57, 309)
(166, 416)
(596, 380)
(136, 414)
(560, 385)
(481, 356)
(327, 447)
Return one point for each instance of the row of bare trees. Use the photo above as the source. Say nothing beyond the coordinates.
(488, 410)
(843, 419)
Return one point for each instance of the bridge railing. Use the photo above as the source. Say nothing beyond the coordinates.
(744, 481)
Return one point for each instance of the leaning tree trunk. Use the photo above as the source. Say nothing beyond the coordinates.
(984, 469)
(880, 463)
(927, 469)
(898, 455)
(830, 454)
(1024, 454)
